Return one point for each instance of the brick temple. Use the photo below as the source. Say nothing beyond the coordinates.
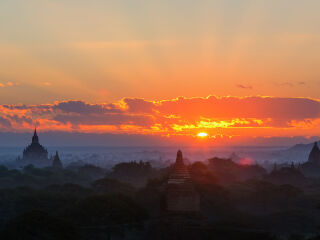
(181, 195)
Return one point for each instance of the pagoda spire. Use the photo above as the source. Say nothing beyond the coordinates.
(57, 164)
(35, 138)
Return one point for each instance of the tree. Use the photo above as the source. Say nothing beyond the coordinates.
(38, 225)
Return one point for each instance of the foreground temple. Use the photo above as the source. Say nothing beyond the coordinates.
(181, 195)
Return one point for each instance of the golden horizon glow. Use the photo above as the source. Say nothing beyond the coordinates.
(226, 118)
(202, 134)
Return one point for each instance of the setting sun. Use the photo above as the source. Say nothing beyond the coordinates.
(202, 134)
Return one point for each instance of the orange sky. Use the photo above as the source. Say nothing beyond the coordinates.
(224, 119)
(92, 54)
(102, 51)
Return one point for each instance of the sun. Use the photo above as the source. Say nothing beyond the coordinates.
(202, 134)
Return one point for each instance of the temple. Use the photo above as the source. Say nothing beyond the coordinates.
(181, 195)
(35, 153)
(56, 163)
(311, 168)
(314, 156)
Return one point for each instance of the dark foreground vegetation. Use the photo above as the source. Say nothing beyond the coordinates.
(127, 202)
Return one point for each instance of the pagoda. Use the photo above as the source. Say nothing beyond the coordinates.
(311, 168)
(181, 195)
(35, 153)
(56, 163)
(314, 156)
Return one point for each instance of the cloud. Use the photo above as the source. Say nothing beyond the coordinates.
(104, 119)
(291, 84)
(244, 86)
(5, 123)
(138, 105)
(9, 84)
(83, 108)
(183, 116)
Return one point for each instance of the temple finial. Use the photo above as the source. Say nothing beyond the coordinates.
(35, 138)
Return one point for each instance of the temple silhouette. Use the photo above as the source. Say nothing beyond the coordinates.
(181, 195)
(37, 155)
(314, 156)
(297, 174)
(311, 168)
(56, 163)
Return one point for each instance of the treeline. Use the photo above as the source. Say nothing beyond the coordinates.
(128, 202)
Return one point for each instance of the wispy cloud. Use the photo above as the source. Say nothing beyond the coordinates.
(8, 84)
(291, 84)
(244, 86)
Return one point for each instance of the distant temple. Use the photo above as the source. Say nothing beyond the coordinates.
(56, 163)
(286, 175)
(35, 153)
(181, 195)
(311, 168)
(314, 156)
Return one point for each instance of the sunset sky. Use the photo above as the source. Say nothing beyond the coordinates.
(235, 69)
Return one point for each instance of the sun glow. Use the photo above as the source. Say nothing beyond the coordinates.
(202, 134)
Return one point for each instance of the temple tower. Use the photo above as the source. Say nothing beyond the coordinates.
(35, 153)
(314, 156)
(181, 195)
(56, 163)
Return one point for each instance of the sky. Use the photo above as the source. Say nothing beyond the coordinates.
(237, 70)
